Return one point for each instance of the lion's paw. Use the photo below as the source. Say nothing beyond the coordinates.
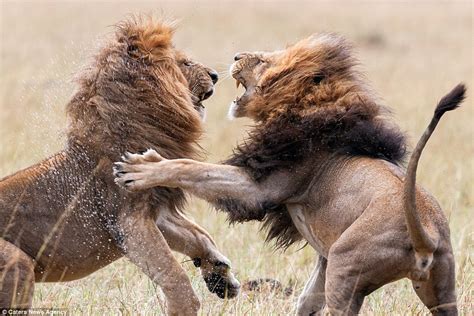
(130, 173)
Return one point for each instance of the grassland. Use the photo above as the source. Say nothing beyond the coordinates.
(412, 52)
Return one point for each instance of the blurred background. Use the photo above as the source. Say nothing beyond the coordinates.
(412, 52)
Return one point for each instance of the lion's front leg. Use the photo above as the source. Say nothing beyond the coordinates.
(17, 277)
(212, 182)
(144, 245)
(192, 240)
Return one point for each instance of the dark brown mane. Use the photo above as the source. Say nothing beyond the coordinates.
(290, 138)
(331, 132)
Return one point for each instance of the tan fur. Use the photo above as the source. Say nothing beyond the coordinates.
(323, 163)
(64, 218)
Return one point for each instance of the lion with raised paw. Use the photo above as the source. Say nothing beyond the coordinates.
(323, 163)
(65, 218)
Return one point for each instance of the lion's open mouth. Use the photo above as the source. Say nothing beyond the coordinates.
(197, 100)
(238, 82)
(244, 77)
(245, 97)
(207, 95)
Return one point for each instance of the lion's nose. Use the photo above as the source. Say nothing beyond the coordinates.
(214, 76)
(239, 56)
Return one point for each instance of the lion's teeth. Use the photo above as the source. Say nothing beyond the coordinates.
(237, 83)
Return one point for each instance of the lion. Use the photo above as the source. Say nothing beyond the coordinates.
(65, 218)
(323, 163)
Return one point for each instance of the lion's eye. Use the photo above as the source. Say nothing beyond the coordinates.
(187, 63)
(318, 78)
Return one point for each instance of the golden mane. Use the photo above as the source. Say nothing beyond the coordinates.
(290, 84)
(133, 96)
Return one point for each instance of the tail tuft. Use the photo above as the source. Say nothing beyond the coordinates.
(451, 101)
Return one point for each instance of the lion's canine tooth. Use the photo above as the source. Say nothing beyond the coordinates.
(237, 83)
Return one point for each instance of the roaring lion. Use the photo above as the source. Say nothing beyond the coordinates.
(65, 218)
(323, 163)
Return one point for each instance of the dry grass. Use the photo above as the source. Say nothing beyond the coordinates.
(412, 53)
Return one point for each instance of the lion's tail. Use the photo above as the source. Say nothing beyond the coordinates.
(422, 242)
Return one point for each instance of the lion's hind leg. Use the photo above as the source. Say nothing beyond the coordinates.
(17, 277)
(361, 261)
(312, 299)
(437, 293)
